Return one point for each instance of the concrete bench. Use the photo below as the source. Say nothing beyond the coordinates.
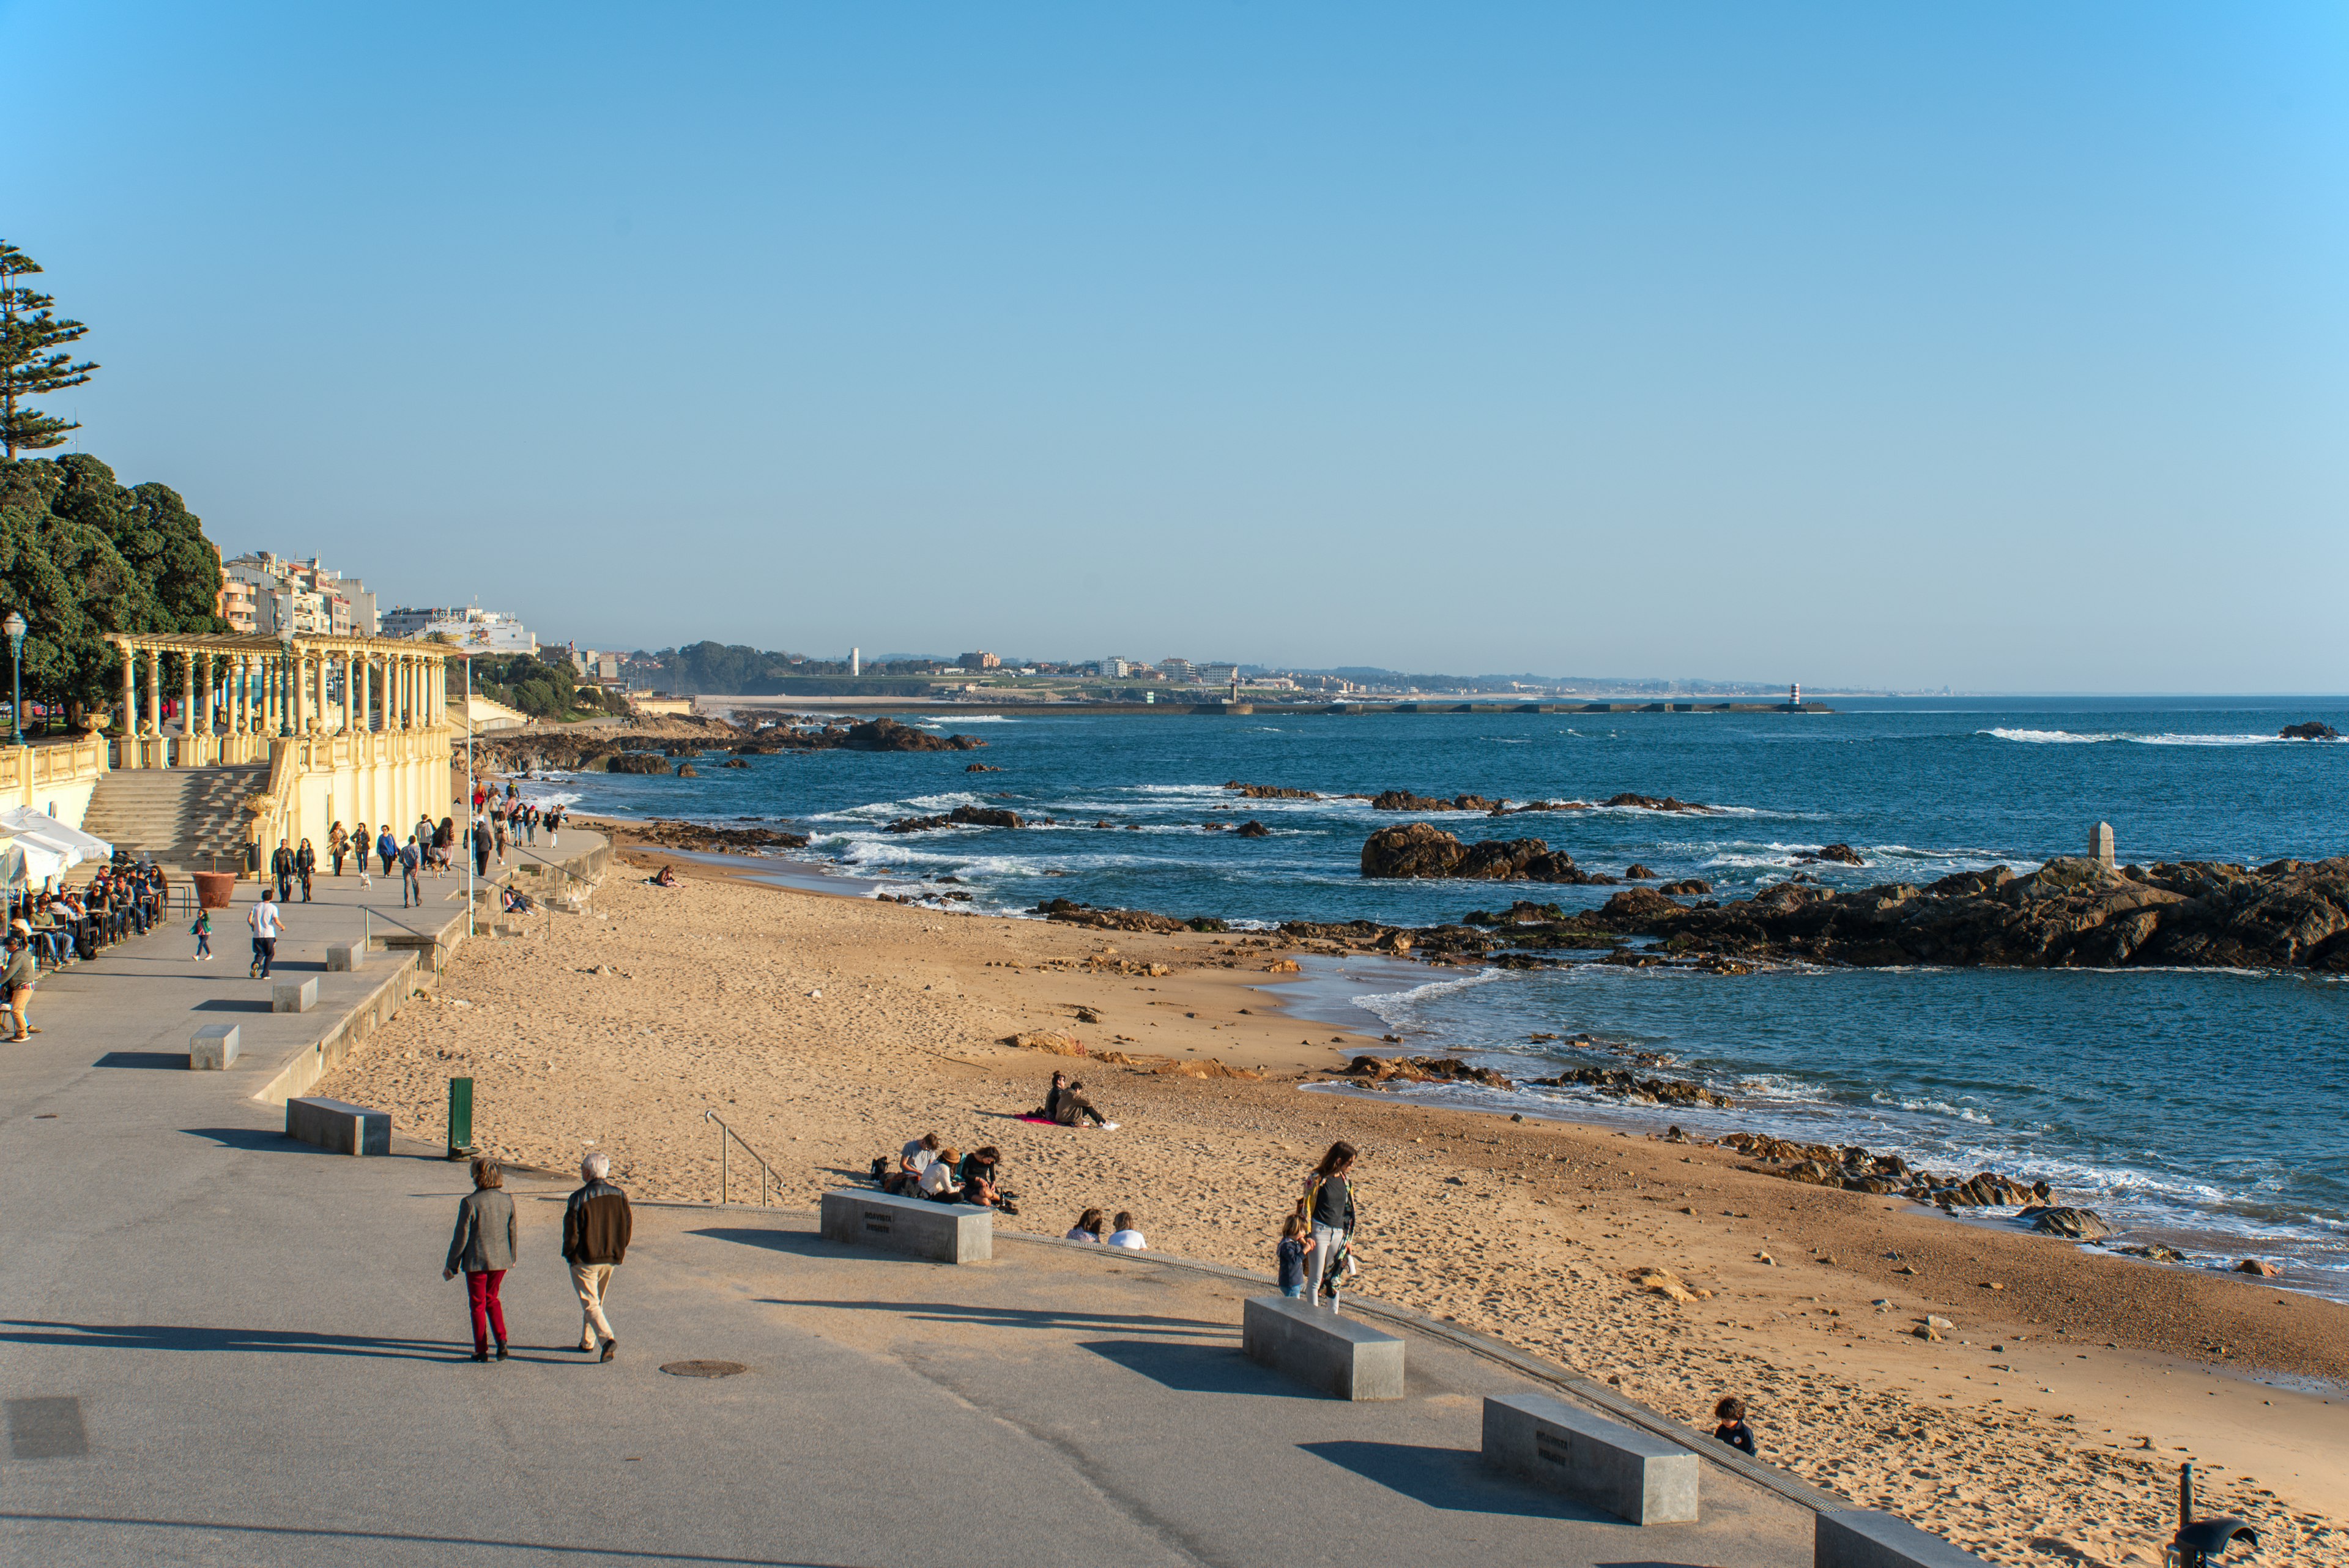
(949, 1232)
(343, 1129)
(1861, 1538)
(1631, 1474)
(1334, 1353)
(213, 1047)
(296, 996)
(344, 957)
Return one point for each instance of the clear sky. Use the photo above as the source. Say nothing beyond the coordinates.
(1998, 345)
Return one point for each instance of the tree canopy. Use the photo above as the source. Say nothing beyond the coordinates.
(82, 556)
(33, 358)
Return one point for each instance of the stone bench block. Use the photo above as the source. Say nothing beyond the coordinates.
(1631, 1474)
(340, 1127)
(298, 996)
(344, 957)
(1862, 1537)
(949, 1232)
(213, 1047)
(1334, 1353)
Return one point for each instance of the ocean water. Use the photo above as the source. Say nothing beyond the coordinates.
(2200, 1108)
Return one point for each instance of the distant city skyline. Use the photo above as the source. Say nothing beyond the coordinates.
(2001, 348)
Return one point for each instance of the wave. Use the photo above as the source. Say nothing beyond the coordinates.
(2101, 737)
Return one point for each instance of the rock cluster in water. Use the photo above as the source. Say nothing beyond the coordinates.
(1629, 1085)
(960, 816)
(1421, 849)
(2311, 730)
(1854, 1170)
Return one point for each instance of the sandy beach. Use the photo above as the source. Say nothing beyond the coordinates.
(2043, 1426)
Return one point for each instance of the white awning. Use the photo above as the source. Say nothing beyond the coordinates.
(28, 825)
(25, 861)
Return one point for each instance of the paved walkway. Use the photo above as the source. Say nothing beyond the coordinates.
(221, 1347)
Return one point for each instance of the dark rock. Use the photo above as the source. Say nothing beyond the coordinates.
(984, 816)
(1423, 1070)
(1252, 830)
(1650, 803)
(705, 840)
(1421, 849)
(1842, 854)
(1109, 919)
(917, 824)
(1270, 792)
(1635, 872)
(735, 762)
(981, 768)
(686, 771)
(2311, 731)
(1626, 1084)
(1207, 923)
(1403, 800)
(2073, 1224)
(1688, 889)
(635, 763)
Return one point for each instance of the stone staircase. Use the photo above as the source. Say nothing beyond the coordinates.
(180, 817)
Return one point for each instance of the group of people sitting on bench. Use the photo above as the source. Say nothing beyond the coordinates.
(61, 926)
(926, 1169)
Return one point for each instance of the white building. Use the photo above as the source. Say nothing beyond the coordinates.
(1112, 668)
(467, 627)
(1215, 674)
(299, 598)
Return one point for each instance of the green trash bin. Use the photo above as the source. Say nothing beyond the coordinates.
(461, 1118)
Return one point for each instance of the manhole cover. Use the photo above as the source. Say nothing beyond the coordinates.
(703, 1368)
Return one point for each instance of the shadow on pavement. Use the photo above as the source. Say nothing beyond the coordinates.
(1021, 1317)
(1193, 1368)
(806, 1244)
(1451, 1479)
(148, 1059)
(174, 1337)
(199, 1526)
(233, 1004)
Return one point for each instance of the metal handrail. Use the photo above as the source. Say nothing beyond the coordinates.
(766, 1172)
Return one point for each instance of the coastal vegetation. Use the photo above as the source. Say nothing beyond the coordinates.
(34, 359)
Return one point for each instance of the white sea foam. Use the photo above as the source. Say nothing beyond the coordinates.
(2100, 737)
(1395, 1006)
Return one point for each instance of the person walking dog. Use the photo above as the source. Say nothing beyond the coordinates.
(483, 1249)
(595, 1226)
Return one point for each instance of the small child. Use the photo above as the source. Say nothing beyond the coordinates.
(1296, 1241)
(202, 931)
(1732, 1430)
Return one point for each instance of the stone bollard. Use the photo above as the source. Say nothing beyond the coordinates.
(2100, 845)
(344, 957)
(212, 1048)
(298, 997)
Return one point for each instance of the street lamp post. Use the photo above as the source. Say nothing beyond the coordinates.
(15, 629)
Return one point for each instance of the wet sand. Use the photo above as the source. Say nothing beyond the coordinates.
(2044, 1427)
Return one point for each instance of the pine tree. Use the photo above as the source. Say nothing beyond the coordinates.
(32, 361)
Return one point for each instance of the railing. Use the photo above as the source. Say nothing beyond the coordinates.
(48, 765)
(727, 1135)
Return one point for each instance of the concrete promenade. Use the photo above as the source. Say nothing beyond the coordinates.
(221, 1347)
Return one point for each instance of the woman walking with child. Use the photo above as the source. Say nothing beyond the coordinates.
(1328, 1207)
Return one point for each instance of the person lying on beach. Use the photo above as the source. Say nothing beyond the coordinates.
(1088, 1228)
(1296, 1241)
(1732, 1430)
(938, 1183)
(1126, 1236)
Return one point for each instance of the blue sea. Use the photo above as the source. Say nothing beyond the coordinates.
(2200, 1108)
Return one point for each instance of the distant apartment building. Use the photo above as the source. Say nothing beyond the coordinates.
(1215, 674)
(466, 626)
(980, 661)
(590, 665)
(1112, 668)
(1178, 670)
(282, 598)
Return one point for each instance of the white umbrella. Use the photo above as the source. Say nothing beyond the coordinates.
(72, 842)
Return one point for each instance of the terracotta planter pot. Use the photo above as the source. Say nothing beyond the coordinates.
(215, 888)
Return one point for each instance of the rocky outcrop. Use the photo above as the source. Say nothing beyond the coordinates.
(688, 771)
(1268, 792)
(873, 735)
(1383, 1070)
(2311, 731)
(1403, 800)
(2072, 912)
(1635, 872)
(1854, 1170)
(1651, 803)
(981, 768)
(1841, 854)
(735, 762)
(960, 816)
(1419, 850)
(1077, 914)
(1626, 1084)
(636, 763)
(2072, 1224)
(696, 837)
(1688, 888)
(1252, 830)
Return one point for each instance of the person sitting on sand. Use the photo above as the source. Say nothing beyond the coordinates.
(1295, 1243)
(1073, 1110)
(914, 1159)
(1732, 1430)
(1088, 1228)
(1126, 1236)
(1051, 1112)
(978, 1177)
(667, 878)
(938, 1183)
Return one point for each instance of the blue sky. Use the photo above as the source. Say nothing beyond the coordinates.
(2000, 345)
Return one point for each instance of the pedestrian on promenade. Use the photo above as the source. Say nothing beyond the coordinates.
(386, 849)
(480, 845)
(305, 866)
(1296, 1246)
(444, 846)
(202, 931)
(498, 825)
(17, 979)
(266, 924)
(554, 823)
(338, 844)
(281, 866)
(410, 858)
(1328, 1207)
(483, 1248)
(595, 1226)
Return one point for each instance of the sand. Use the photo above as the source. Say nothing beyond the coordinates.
(2046, 1426)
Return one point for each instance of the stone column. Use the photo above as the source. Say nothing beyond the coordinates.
(155, 706)
(318, 687)
(190, 751)
(129, 706)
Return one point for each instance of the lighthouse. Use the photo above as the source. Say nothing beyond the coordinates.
(1795, 696)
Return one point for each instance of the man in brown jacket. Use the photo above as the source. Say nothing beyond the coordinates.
(595, 1241)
